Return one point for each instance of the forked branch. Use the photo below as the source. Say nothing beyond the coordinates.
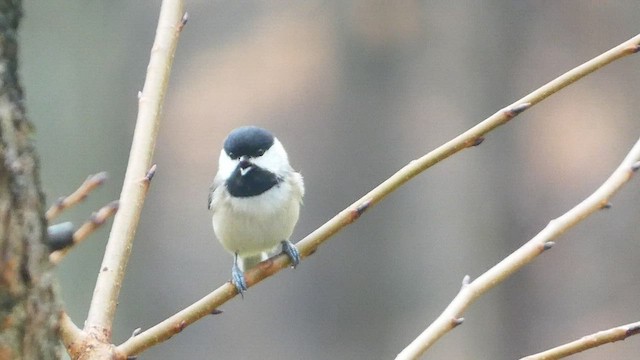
(65, 202)
(138, 173)
(311, 242)
(95, 221)
(524, 255)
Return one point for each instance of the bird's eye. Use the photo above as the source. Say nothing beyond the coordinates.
(231, 155)
(260, 152)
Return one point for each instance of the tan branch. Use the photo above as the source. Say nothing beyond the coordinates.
(80, 345)
(588, 342)
(79, 195)
(69, 332)
(451, 316)
(311, 242)
(136, 181)
(95, 221)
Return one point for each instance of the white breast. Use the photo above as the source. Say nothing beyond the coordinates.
(254, 226)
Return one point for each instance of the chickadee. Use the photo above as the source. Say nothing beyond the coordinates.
(255, 198)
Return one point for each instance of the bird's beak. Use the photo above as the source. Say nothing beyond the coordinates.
(245, 165)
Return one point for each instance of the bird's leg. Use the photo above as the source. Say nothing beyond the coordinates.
(291, 251)
(237, 277)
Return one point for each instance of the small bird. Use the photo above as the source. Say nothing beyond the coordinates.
(255, 198)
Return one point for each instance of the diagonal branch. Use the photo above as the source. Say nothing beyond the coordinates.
(311, 242)
(70, 334)
(136, 181)
(77, 196)
(452, 315)
(588, 342)
(95, 221)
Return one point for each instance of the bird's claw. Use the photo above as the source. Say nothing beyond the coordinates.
(291, 251)
(237, 278)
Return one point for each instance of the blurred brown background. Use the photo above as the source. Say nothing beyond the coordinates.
(355, 90)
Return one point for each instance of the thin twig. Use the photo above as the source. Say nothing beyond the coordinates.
(95, 221)
(65, 202)
(105, 295)
(521, 257)
(588, 342)
(69, 332)
(311, 242)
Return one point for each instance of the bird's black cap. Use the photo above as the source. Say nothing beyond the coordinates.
(251, 141)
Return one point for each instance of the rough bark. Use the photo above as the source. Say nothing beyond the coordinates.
(28, 307)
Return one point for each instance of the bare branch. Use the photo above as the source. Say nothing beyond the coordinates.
(95, 221)
(105, 295)
(521, 257)
(80, 345)
(588, 342)
(311, 242)
(69, 332)
(92, 182)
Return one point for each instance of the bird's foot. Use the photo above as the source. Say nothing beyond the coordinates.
(291, 251)
(237, 277)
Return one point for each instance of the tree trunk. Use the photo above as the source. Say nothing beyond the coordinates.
(29, 310)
